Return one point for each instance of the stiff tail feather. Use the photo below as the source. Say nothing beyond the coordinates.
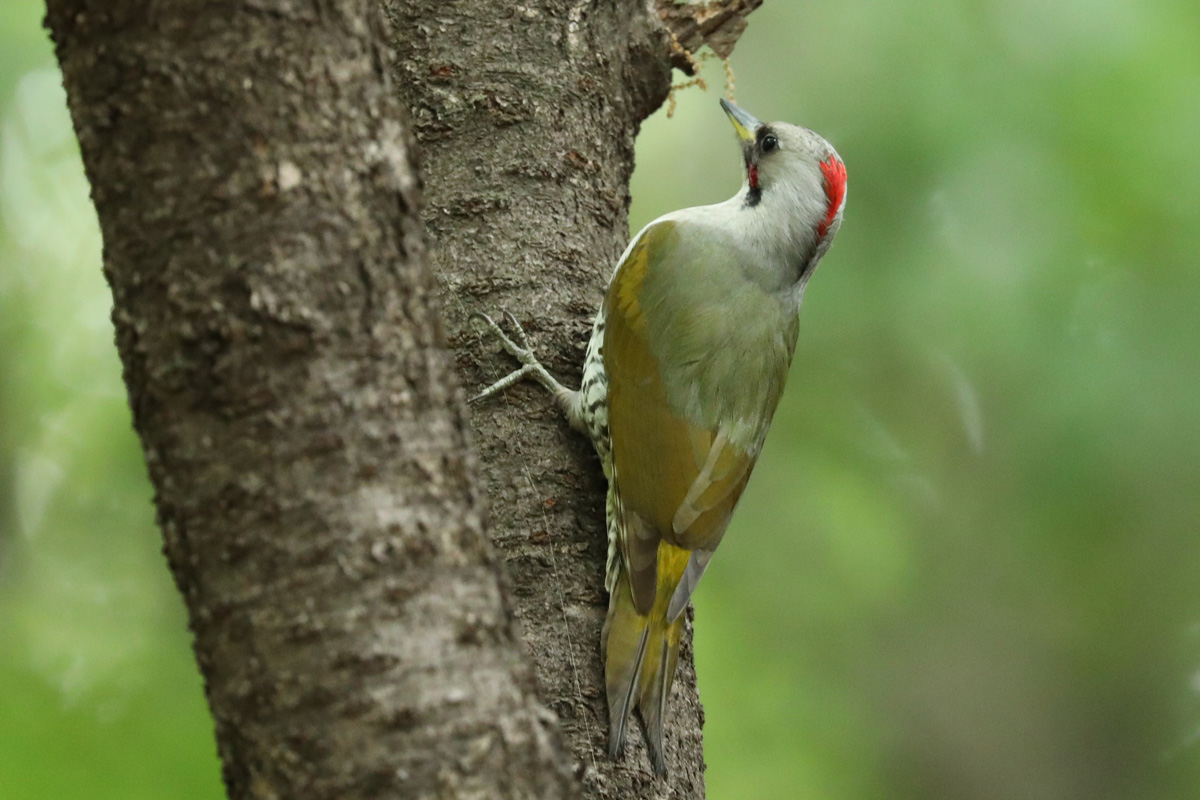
(640, 656)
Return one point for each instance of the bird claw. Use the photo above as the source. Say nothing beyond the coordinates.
(521, 350)
(521, 335)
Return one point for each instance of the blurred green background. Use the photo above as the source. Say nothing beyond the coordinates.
(968, 565)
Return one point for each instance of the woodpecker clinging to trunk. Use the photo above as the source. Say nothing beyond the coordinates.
(686, 364)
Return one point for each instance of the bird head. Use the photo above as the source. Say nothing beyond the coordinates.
(791, 171)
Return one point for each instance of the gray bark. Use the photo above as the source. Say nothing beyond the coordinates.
(296, 401)
(294, 393)
(527, 118)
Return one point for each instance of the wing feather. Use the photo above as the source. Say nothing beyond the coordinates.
(677, 480)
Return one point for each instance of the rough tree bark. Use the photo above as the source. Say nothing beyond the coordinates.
(294, 394)
(296, 401)
(527, 115)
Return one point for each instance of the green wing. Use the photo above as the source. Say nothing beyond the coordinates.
(677, 480)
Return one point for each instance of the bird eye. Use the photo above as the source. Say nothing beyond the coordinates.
(769, 143)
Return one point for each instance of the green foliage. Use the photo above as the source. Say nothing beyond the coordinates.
(967, 563)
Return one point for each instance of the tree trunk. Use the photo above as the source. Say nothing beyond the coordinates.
(527, 115)
(294, 393)
(296, 401)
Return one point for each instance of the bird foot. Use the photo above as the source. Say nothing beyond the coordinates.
(521, 350)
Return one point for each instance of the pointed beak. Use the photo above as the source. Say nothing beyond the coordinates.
(745, 125)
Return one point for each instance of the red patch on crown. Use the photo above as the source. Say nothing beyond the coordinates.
(835, 191)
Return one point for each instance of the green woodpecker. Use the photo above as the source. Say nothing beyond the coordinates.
(687, 360)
